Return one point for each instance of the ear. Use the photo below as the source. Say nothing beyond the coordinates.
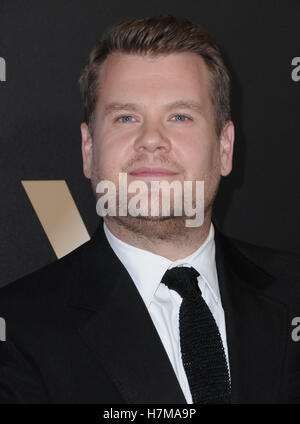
(86, 149)
(226, 148)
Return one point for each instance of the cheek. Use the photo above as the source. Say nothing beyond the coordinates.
(110, 159)
(198, 156)
(115, 149)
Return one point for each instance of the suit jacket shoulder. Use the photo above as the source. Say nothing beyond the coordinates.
(283, 266)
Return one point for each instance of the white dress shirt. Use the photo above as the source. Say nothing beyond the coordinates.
(147, 269)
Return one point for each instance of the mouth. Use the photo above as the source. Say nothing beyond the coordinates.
(151, 172)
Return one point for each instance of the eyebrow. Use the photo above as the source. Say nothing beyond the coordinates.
(183, 104)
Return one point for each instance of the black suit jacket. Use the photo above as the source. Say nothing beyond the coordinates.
(79, 332)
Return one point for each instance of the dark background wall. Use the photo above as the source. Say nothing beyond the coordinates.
(45, 44)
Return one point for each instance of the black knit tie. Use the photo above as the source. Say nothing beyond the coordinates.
(201, 344)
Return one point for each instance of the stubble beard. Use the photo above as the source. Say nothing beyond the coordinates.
(164, 228)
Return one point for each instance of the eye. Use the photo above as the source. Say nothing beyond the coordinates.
(124, 118)
(182, 118)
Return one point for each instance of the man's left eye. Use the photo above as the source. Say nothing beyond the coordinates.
(125, 117)
(181, 117)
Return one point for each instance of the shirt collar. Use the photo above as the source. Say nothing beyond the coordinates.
(147, 269)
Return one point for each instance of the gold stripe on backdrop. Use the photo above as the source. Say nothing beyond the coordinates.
(58, 214)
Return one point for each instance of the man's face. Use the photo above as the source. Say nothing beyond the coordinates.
(157, 113)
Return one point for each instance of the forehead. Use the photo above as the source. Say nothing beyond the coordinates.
(130, 77)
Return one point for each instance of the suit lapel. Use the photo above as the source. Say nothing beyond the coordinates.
(255, 326)
(121, 331)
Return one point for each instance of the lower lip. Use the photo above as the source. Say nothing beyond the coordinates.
(151, 175)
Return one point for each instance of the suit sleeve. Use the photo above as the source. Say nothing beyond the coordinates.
(19, 382)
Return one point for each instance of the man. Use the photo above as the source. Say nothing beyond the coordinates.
(107, 323)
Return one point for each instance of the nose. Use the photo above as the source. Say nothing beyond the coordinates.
(152, 137)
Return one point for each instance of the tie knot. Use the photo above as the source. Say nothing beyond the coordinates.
(182, 279)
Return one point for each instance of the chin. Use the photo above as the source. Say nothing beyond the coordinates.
(164, 228)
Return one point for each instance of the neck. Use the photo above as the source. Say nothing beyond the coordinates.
(168, 238)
